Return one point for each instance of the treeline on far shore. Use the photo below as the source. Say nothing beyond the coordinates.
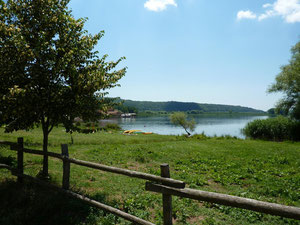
(130, 106)
(148, 110)
(196, 113)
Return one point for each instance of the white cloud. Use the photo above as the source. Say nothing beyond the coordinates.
(289, 10)
(266, 15)
(245, 15)
(159, 5)
(267, 5)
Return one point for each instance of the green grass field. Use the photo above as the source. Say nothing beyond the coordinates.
(268, 171)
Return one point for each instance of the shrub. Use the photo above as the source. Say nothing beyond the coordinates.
(201, 136)
(226, 137)
(112, 126)
(85, 131)
(276, 129)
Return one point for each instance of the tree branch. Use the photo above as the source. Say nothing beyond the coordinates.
(51, 127)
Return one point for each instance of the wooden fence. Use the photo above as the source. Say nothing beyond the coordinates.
(160, 184)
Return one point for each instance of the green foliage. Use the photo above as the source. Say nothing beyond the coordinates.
(276, 129)
(189, 107)
(195, 112)
(112, 126)
(288, 82)
(200, 136)
(271, 111)
(180, 119)
(89, 128)
(126, 109)
(50, 73)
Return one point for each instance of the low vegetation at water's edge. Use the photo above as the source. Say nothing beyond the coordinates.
(275, 129)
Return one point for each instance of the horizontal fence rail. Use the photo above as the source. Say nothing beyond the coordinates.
(7, 143)
(228, 200)
(4, 166)
(14, 147)
(130, 173)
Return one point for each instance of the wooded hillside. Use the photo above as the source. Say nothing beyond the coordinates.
(143, 106)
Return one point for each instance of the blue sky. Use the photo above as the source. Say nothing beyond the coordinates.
(225, 52)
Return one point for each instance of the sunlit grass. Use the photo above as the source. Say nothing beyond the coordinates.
(268, 171)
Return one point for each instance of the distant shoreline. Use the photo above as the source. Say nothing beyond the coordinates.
(148, 114)
(148, 107)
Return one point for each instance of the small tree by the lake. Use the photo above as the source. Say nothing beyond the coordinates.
(50, 73)
(180, 119)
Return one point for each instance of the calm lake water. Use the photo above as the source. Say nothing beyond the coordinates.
(210, 125)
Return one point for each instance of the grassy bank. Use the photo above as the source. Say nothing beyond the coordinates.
(268, 171)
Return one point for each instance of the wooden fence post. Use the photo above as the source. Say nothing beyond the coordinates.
(167, 199)
(20, 158)
(66, 167)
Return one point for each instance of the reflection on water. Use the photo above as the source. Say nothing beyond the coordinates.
(210, 125)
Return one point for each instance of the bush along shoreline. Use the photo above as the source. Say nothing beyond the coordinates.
(87, 128)
(274, 129)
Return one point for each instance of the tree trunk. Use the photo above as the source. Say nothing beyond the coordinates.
(72, 140)
(189, 134)
(45, 150)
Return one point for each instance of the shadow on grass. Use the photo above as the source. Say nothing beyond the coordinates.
(8, 160)
(35, 205)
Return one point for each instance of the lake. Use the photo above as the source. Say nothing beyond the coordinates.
(210, 125)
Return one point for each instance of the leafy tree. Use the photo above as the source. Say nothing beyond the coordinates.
(50, 73)
(126, 109)
(288, 82)
(274, 111)
(180, 119)
(271, 111)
